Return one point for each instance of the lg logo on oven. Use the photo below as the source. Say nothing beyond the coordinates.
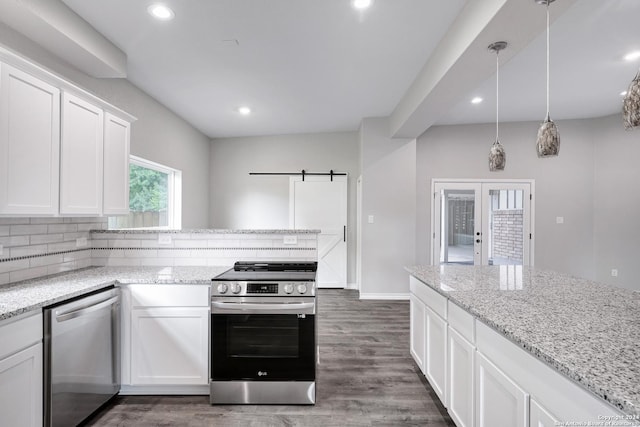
(262, 374)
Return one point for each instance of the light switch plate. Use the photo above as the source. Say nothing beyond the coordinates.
(559, 220)
(164, 239)
(290, 240)
(370, 219)
(81, 241)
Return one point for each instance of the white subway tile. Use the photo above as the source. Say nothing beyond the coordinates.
(200, 236)
(19, 264)
(124, 243)
(190, 243)
(62, 228)
(83, 263)
(147, 253)
(156, 262)
(99, 262)
(272, 254)
(99, 243)
(60, 268)
(151, 244)
(142, 236)
(256, 243)
(29, 273)
(28, 250)
(123, 262)
(173, 253)
(4, 278)
(63, 246)
(13, 221)
(179, 262)
(12, 241)
(46, 238)
(47, 220)
(46, 260)
(4, 230)
(76, 235)
(20, 230)
(101, 236)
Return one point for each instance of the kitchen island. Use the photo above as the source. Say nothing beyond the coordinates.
(586, 331)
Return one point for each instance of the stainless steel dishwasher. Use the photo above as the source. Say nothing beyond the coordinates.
(81, 356)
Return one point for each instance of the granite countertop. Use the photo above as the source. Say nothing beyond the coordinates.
(588, 331)
(30, 295)
(207, 230)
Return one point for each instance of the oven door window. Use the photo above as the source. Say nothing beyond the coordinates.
(265, 347)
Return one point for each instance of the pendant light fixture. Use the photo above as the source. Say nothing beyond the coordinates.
(548, 142)
(497, 155)
(631, 104)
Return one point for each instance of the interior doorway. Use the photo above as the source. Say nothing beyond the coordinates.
(482, 222)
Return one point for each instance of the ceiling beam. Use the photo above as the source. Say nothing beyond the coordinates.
(461, 62)
(53, 25)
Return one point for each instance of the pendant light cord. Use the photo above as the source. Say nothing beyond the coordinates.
(497, 93)
(548, 112)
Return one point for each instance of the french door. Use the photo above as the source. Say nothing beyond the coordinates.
(482, 222)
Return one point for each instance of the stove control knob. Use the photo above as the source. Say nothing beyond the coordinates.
(236, 288)
(288, 288)
(302, 289)
(222, 288)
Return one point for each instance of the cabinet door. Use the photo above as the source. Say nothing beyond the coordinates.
(169, 346)
(539, 417)
(116, 166)
(499, 401)
(417, 329)
(81, 152)
(460, 380)
(29, 144)
(436, 354)
(21, 388)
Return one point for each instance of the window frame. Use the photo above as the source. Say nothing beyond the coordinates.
(174, 193)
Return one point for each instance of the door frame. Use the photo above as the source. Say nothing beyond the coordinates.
(467, 184)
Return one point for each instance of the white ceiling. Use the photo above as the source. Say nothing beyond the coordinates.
(308, 66)
(301, 65)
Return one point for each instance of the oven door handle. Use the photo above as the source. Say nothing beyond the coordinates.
(247, 306)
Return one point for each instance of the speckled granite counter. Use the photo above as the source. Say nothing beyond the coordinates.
(31, 295)
(207, 231)
(588, 331)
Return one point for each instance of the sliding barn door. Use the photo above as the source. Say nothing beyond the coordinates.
(321, 203)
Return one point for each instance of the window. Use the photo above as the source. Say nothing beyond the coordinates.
(155, 197)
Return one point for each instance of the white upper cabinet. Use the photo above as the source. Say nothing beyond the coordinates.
(81, 157)
(29, 144)
(116, 165)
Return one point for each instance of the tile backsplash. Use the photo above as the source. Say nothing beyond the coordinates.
(35, 247)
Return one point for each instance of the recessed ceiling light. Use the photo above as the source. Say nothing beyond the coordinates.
(361, 4)
(623, 93)
(245, 111)
(161, 12)
(476, 100)
(632, 56)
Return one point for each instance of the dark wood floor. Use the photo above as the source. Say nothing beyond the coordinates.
(366, 377)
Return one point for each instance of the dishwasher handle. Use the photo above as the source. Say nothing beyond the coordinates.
(62, 317)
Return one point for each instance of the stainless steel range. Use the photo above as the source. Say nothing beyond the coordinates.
(263, 334)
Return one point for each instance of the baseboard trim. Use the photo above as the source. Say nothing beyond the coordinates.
(168, 390)
(384, 296)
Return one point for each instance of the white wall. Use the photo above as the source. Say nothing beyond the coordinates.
(158, 134)
(241, 201)
(616, 202)
(388, 193)
(589, 184)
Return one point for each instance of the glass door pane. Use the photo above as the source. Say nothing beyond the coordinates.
(458, 207)
(504, 240)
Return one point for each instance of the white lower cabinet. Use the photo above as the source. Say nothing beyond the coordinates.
(460, 384)
(436, 354)
(499, 401)
(170, 346)
(165, 347)
(418, 330)
(21, 384)
(540, 417)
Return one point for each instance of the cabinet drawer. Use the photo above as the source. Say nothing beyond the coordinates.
(431, 298)
(16, 335)
(461, 321)
(169, 295)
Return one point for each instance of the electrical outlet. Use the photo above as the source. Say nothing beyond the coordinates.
(164, 239)
(370, 219)
(614, 272)
(290, 240)
(559, 220)
(81, 241)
